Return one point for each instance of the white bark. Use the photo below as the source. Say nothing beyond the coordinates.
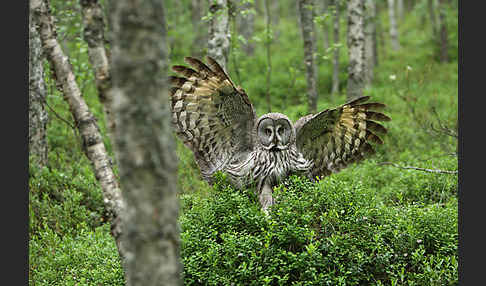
(400, 10)
(395, 44)
(145, 144)
(308, 35)
(219, 35)
(93, 145)
(37, 95)
(370, 41)
(356, 69)
(336, 40)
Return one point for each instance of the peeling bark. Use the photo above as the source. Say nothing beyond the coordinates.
(37, 95)
(219, 36)
(308, 34)
(356, 69)
(93, 145)
(144, 143)
(395, 44)
(94, 26)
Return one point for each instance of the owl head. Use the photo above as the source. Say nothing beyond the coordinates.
(274, 132)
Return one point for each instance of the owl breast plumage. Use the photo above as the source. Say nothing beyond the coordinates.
(216, 120)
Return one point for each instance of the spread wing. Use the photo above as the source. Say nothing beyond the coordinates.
(210, 115)
(334, 138)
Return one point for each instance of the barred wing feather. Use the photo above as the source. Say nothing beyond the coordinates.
(210, 115)
(335, 138)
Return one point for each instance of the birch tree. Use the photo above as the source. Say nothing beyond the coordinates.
(268, 42)
(246, 25)
(325, 27)
(400, 10)
(219, 35)
(336, 42)
(370, 40)
(355, 41)
(308, 34)
(145, 144)
(198, 27)
(93, 33)
(393, 25)
(37, 95)
(93, 145)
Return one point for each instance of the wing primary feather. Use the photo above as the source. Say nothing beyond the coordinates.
(199, 66)
(375, 127)
(358, 100)
(376, 116)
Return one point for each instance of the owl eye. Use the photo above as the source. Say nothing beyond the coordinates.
(280, 130)
(268, 131)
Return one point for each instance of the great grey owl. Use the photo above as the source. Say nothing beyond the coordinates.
(216, 120)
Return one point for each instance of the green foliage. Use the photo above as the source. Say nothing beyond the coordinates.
(317, 234)
(89, 258)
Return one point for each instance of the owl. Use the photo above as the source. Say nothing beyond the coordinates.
(216, 120)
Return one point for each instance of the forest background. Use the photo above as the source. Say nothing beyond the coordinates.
(390, 220)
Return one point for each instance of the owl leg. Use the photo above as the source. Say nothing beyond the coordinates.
(265, 197)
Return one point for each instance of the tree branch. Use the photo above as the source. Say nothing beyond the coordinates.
(437, 171)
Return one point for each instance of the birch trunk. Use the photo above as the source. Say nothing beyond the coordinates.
(370, 41)
(444, 43)
(393, 25)
(268, 43)
(198, 28)
(356, 69)
(37, 95)
(93, 145)
(325, 27)
(400, 10)
(94, 26)
(145, 144)
(219, 36)
(308, 35)
(246, 24)
(336, 42)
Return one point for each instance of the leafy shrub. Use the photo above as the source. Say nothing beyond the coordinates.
(329, 233)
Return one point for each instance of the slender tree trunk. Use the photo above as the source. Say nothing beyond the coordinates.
(370, 33)
(380, 39)
(219, 36)
(198, 28)
(395, 44)
(433, 18)
(356, 42)
(336, 42)
(246, 23)
(145, 144)
(325, 27)
(275, 19)
(37, 95)
(444, 43)
(308, 34)
(400, 10)
(93, 145)
(268, 43)
(94, 26)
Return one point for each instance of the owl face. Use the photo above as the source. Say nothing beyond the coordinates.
(275, 132)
